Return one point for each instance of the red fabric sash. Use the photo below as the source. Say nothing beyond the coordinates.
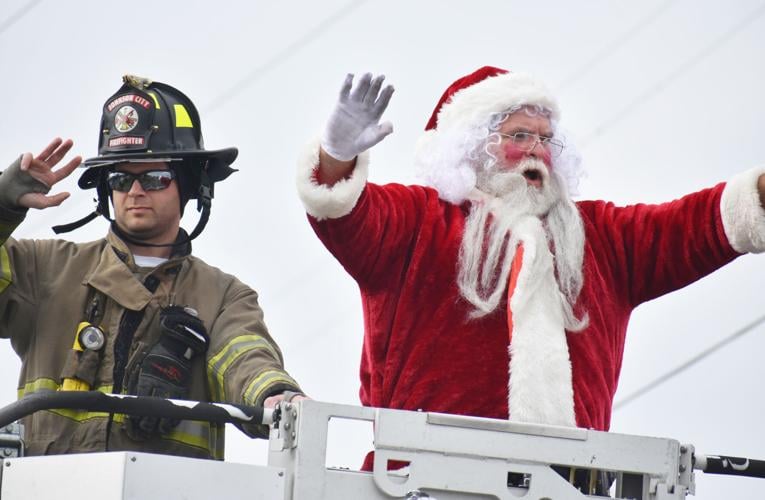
(515, 270)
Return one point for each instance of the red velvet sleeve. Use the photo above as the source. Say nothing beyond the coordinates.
(655, 249)
(374, 240)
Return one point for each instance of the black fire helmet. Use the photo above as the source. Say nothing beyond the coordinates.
(152, 121)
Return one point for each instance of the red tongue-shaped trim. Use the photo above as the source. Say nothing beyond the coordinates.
(515, 270)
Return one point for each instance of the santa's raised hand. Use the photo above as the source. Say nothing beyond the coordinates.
(354, 125)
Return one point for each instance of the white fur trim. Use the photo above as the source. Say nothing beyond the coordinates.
(742, 213)
(540, 387)
(494, 95)
(325, 202)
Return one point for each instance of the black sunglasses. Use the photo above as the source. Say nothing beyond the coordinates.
(151, 180)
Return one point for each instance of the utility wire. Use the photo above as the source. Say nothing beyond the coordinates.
(588, 65)
(257, 73)
(706, 51)
(659, 86)
(633, 105)
(703, 354)
(13, 18)
(278, 58)
(617, 44)
(282, 56)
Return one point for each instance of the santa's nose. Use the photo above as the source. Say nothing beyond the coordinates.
(540, 152)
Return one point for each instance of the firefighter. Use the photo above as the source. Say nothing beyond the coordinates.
(135, 312)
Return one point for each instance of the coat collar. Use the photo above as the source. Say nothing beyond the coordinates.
(115, 274)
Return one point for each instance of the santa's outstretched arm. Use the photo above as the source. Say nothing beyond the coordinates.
(353, 127)
(761, 189)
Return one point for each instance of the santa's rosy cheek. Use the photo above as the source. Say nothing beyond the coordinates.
(514, 154)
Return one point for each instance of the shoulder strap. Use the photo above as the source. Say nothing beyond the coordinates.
(128, 325)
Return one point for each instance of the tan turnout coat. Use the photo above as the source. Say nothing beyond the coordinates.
(44, 288)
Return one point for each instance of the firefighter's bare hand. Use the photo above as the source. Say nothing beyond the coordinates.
(40, 168)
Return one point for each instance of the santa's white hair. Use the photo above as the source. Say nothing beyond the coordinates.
(448, 161)
(469, 111)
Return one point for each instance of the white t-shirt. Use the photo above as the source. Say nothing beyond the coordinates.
(148, 262)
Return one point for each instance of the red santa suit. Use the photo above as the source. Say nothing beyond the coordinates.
(422, 350)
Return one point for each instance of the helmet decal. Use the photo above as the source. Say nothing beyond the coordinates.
(128, 98)
(126, 119)
(126, 140)
(182, 118)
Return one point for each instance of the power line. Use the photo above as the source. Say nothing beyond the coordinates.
(255, 74)
(676, 371)
(276, 59)
(617, 44)
(659, 86)
(282, 56)
(583, 68)
(13, 18)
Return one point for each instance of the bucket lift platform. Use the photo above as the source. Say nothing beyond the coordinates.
(456, 457)
(449, 457)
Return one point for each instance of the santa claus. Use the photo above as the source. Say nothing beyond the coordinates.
(488, 291)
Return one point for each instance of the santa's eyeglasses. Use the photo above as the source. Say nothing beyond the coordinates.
(151, 180)
(526, 141)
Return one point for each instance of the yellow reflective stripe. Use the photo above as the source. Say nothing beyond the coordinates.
(219, 363)
(74, 384)
(156, 101)
(264, 381)
(48, 384)
(197, 434)
(6, 274)
(79, 415)
(182, 118)
(37, 385)
(202, 435)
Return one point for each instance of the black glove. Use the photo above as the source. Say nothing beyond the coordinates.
(165, 371)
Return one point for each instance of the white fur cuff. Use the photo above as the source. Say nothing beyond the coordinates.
(325, 202)
(742, 213)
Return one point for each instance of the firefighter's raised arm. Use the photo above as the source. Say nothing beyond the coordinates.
(27, 182)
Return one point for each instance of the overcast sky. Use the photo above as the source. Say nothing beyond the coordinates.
(662, 98)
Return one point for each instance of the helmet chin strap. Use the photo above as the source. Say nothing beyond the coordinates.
(204, 204)
(182, 240)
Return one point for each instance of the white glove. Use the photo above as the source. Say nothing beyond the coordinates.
(354, 124)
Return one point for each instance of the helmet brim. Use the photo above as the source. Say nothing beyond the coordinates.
(218, 162)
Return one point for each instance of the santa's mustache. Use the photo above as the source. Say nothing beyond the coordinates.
(530, 175)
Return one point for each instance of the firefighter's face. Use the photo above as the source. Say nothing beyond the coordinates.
(150, 214)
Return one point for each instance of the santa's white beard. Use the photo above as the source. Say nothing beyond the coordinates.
(489, 243)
